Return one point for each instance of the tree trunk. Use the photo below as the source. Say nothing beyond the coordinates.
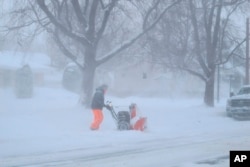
(88, 75)
(87, 85)
(209, 90)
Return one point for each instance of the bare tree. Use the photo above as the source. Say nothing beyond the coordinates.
(18, 26)
(212, 26)
(194, 39)
(84, 23)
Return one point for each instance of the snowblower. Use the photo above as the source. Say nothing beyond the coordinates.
(128, 120)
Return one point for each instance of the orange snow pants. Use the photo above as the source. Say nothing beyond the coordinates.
(98, 117)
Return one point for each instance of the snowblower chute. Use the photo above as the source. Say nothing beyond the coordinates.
(128, 120)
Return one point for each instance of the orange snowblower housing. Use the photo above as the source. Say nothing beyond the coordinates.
(137, 122)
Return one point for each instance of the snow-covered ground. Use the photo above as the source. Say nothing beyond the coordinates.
(52, 129)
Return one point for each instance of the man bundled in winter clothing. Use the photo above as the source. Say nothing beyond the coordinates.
(97, 106)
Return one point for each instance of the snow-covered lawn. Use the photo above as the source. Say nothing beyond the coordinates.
(52, 129)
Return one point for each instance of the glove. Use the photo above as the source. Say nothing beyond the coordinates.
(107, 106)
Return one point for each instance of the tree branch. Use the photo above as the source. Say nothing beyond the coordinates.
(40, 20)
(85, 9)
(216, 29)
(148, 14)
(18, 27)
(81, 39)
(197, 40)
(183, 68)
(105, 19)
(65, 50)
(79, 14)
(133, 40)
(91, 21)
(231, 53)
(201, 76)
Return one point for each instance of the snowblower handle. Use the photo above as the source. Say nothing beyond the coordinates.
(108, 105)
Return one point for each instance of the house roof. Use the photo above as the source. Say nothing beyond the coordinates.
(12, 60)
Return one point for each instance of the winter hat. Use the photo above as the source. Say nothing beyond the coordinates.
(103, 87)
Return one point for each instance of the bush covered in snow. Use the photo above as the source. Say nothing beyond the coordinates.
(72, 78)
(24, 82)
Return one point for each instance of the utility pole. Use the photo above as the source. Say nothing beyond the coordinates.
(218, 83)
(247, 53)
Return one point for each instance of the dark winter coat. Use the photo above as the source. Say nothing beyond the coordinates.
(98, 99)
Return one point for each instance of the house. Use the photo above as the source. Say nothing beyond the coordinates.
(146, 79)
(10, 61)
